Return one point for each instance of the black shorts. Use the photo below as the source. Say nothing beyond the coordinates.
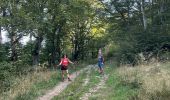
(64, 67)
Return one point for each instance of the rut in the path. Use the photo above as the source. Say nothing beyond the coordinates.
(86, 80)
(61, 86)
(95, 89)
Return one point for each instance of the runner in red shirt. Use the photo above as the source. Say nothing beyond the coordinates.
(64, 66)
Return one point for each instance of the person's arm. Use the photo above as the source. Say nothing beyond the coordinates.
(60, 62)
(70, 61)
(103, 59)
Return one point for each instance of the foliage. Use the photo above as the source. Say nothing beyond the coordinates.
(128, 30)
(9, 71)
(4, 50)
(138, 27)
(6, 75)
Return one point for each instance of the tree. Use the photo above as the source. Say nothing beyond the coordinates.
(13, 23)
(0, 36)
(137, 26)
(82, 18)
(36, 12)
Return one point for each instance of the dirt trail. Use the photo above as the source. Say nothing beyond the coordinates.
(95, 89)
(86, 80)
(61, 86)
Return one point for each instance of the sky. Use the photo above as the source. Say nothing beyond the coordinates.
(24, 40)
(4, 38)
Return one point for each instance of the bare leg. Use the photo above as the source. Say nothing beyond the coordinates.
(101, 70)
(62, 72)
(68, 75)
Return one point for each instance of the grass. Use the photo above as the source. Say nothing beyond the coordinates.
(38, 87)
(113, 89)
(153, 80)
(76, 89)
(31, 86)
(144, 82)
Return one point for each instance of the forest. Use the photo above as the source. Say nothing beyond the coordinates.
(34, 34)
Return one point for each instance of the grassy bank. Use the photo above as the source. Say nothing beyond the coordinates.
(30, 86)
(113, 89)
(144, 82)
(34, 84)
(153, 80)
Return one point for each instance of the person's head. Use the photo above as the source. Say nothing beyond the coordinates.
(100, 51)
(64, 55)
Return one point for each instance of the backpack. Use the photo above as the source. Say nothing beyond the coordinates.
(64, 62)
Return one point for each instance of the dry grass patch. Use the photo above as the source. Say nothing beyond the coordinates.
(153, 81)
(24, 84)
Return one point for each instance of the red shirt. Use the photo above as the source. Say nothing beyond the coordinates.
(64, 61)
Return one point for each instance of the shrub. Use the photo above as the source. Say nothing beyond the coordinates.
(7, 72)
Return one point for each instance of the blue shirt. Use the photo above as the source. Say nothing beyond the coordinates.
(100, 59)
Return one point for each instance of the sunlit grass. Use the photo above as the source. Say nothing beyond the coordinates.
(31, 82)
(153, 80)
(113, 89)
(144, 82)
(76, 89)
(34, 84)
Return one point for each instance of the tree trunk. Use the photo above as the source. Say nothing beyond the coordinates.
(36, 50)
(142, 5)
(58, 44)
(14, 55)
(0, 36)
(161, 13)
(128, 7)
(76, 51)
(151, 10)
(58, 49)
(53, 53)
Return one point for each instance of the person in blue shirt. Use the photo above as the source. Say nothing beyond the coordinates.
(100, 61)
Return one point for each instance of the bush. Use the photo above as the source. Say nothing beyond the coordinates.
(4, 49)
(149, 43)
(7, 72)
